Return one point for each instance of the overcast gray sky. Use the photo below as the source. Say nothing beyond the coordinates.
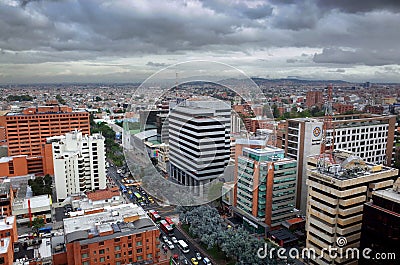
(127, 40)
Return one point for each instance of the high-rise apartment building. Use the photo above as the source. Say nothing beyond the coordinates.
(26, 131)
(314, 98)
(118, 235)
(369, 136)
(335, 200)
(79, 163)
(199, 139)
(265, 182)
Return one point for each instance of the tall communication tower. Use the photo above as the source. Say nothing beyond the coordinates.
(328, 130)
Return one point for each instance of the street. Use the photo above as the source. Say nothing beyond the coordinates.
(163, 211)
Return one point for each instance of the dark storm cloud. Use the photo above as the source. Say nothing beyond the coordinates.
(360, 56)
(349, 32)
(157, 64)
(239, 9)
(359, 6)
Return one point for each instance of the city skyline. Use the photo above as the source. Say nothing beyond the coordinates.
(127, 41)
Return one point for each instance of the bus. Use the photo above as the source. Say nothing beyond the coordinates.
(170, 222)
(154, 216)
(183, 246)
(166, 228)
(138, 197)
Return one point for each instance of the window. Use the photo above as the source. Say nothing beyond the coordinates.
(129, 245)
(118, 255)
(102, 259)
(117, 248)
(139, 258)
(139, 243)
(139, 250)
(85, 255)
(85, 263)
(101, 251)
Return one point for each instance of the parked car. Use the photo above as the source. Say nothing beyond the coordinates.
(165, 239)
(198, 256)
(174, 240)
(170, 245)
(194, 261)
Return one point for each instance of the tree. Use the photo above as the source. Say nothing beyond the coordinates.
(37, 223)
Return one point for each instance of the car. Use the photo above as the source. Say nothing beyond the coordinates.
(175, 256)
(174, 240)
(198, 256)
(170, 245)
(142, 204)
(165, 239)
(119, 171)
(185, 261)
(194, 261)
(206, 261)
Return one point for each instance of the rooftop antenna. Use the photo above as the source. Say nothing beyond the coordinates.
(327, 142)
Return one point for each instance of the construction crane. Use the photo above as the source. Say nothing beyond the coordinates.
(327, 142)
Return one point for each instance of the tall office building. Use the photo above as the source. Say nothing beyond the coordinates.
(26, 131)
(118, 235)
(79, 163)
(199, 139)
(265, 182)
(335, 200)
(369, 136)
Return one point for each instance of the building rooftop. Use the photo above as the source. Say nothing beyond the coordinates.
(388, 194)
(105, 194)
(124, 219)
(7, 222)
(283, 234)
(347, 166)
(4, 243)
(146, 134)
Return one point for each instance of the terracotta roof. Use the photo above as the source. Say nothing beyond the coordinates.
(103, 194)
(295, 220)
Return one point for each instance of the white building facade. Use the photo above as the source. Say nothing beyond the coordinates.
(199, 139)
(369, 136)
(79, 163)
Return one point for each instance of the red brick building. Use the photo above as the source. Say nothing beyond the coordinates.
(117, 235)
(314, 98)
(26, 132)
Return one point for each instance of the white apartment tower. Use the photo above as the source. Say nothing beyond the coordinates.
(369, 136)
(79, 163)
(199, 139)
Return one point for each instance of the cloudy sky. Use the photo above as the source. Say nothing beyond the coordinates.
(127, 40)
